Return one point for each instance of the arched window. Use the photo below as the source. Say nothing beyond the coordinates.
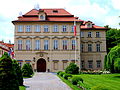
(41, 17)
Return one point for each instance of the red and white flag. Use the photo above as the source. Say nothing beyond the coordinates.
(75, 28)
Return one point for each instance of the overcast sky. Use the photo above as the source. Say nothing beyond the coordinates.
(101, 12)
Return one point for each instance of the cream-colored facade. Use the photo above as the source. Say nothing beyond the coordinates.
(58, 56)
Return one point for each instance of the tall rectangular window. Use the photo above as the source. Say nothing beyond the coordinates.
(55, 44)
(73, 44)
(82, 64)
(90, 64)
(20, 28)
(81, 34)
(64, 44)
(37, 28)
(97, 34)
(72, 28)
(28, 45)
(46, 44)
(28, 28)
(64, 28)
(19, 44)
(89, 34)
(89, 47)
(82, 47)
(46, 28)
(98, 63)
(55, 65)
(98, 47)
(37, 44)
(55, 28)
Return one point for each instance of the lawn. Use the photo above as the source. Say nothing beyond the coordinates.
(22, 88)
(111, 81)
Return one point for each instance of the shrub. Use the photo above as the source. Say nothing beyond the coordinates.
(58, 72)
(76, 79)
(72, 69)
(8, 77)
(99, 87)
(66, 76)
(27, 70)
(61, 74)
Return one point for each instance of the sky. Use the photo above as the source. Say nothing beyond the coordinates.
(100, 12)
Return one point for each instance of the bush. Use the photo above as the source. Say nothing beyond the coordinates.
(76, 79)
(61, 74)
(8, 76)
(27, 70)
(58, 72)
(99, 87)
(66, 76)
(72, 69)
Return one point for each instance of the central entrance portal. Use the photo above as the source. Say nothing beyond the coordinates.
(41, 65)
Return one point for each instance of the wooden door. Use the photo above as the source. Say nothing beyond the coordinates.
(41, 65)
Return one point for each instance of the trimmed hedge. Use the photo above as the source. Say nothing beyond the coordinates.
(61, 74)
(66, 76)
(58, 72)
(76, 79)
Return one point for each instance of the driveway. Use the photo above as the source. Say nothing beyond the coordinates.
(45, 81)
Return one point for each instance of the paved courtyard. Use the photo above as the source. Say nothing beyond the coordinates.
(45, 81)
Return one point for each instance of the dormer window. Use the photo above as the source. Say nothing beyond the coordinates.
(55, 11)
(41, 17)
(89, 25)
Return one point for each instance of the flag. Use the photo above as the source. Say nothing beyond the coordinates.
(75, 28)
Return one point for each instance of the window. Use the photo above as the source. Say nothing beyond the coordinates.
(81, 34)
(73, 44)
(82, 64)
(89, 34)
(90, 64)
(89, 47)
(28, 28)
(19, 44)
(37, 44)
(20, 28)
(55, 28)
(37, 28)
(45, 44)
(41, 17)
(28, 45)
(98, 63)
(64, 28)
(46, 28)
(55, 65)
(89, 25)
(72, 29)
(98, 47)
(82, 47)
(97, 34)
(64, 44)
(64, 65)
(55, 44)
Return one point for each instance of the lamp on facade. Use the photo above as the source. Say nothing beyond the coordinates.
(48, 59)
(34, 59)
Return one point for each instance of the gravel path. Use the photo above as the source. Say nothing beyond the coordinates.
(45, 81)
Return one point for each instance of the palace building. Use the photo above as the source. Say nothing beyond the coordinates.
(45, 39)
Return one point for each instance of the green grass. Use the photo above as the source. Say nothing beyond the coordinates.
(111, 81)
(69, 83)
(22, 88)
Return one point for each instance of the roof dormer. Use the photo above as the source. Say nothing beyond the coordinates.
(42, 15)
(88, 24)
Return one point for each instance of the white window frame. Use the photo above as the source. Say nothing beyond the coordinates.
(46, 44)
(81, 34)
(19, 44)
(55, 28)
(28, 28)
(20, 28)
(37, 44)
(64, 28)
(55, 44)
(46, 28)
(37, 28)
(28, 45)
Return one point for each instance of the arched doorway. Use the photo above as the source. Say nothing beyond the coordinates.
(41, 65)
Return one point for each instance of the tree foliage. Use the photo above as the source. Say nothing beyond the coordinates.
(18, 72)
(72, 69)
(113, 60)
(27, 70)
(8, 76)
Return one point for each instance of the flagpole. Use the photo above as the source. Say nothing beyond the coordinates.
(75, 39)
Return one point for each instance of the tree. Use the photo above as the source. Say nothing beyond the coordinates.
(113, 60)
(18, 72)
(8, 77)
(27, 70)
(72, 69)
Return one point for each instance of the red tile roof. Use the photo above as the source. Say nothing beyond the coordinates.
(93, 27)
(49, 12)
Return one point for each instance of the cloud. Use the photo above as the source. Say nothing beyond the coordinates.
(116, 4)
